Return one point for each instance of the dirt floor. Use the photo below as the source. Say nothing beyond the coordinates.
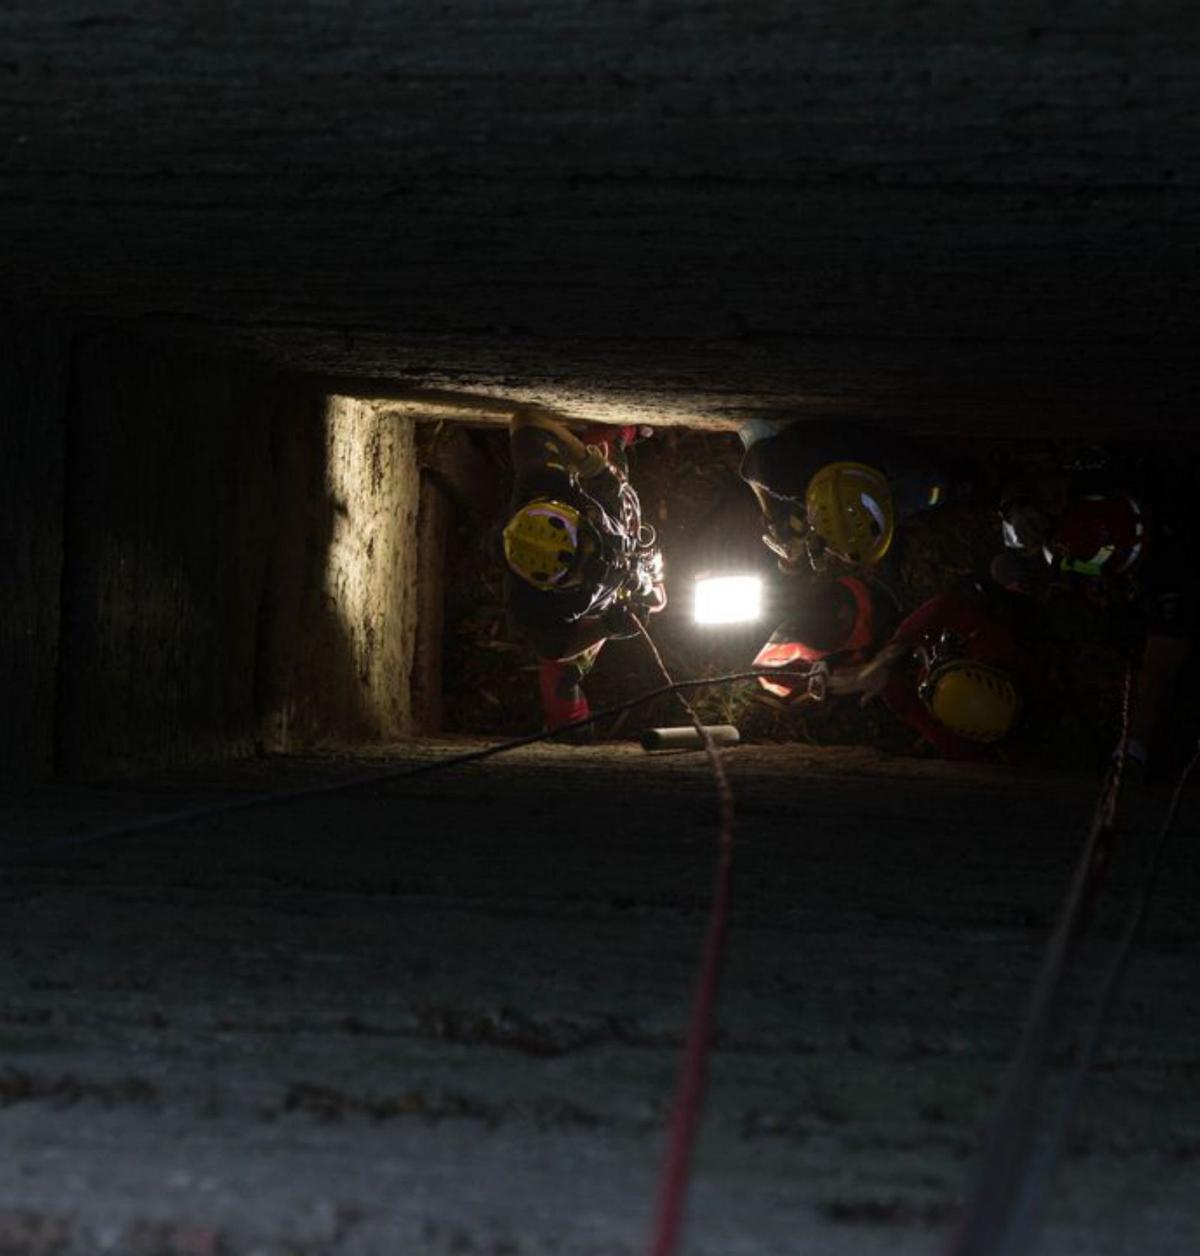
(445, 1016)
(707, 521)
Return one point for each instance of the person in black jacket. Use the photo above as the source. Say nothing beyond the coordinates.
(580, 562)
(837, 486)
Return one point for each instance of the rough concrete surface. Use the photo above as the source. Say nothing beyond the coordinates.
(198, 556)
(340, 624)
(445, 1015)
(372, 560)
(933, 211)
(33, 398)
(167, 527)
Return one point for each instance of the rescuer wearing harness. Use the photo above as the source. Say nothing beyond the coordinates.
(949, 672)
(580, 562)
(836, 487)
(838, 622)
(1119, 547)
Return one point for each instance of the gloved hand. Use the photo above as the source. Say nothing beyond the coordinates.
(593, 463)
(618, 619)
(777, 544)
(870, 679)
(794, 543)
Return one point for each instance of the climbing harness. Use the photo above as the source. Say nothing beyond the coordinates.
(588, 538)
(625, 564)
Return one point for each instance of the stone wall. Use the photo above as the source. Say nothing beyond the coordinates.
(947, 212)
(169, 517)
(33, 392)
(340, 623)
(239, 563)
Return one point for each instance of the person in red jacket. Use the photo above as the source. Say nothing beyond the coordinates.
(1117, 540)
(839, 622)
(950, 672)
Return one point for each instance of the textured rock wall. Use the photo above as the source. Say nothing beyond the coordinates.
(943, 212)
(338, 642)
(445, 1018)
(240, 563)
(198, 557)
(457, 478)
(168, 526)
(33, 389)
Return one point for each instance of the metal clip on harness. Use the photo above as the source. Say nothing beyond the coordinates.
(817, 684)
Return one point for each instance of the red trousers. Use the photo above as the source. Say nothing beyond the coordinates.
(563, 699)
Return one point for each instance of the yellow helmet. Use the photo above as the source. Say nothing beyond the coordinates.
(541, 542)
(849, 505)
(974, 700)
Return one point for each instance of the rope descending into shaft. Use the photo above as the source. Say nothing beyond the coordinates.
(1026, 1211)
(689, 1095)
(1005, 1164)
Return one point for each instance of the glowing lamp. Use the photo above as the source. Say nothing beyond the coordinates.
(728, 599)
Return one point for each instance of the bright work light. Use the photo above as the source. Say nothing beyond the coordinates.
(728, 599)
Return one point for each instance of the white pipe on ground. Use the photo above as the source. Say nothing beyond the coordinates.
(687, 738)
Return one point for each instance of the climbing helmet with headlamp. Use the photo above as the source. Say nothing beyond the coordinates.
(849, 505)
(542, 544)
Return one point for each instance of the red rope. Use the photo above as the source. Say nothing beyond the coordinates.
(689, 1095)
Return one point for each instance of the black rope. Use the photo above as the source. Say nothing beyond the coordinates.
(1015, 1171)
(1005, 1164)
(1027, 1208)
(38, 851)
